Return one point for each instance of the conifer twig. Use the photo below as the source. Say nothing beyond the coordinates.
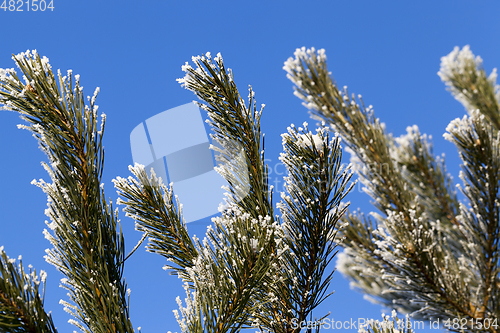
(21, 305)
(88, 247)
(427, 254)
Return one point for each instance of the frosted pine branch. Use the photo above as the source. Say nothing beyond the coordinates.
(424, 253)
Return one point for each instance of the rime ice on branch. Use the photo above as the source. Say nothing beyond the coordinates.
(423, 252)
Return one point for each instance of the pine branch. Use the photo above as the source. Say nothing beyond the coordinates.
(466, 79)
(159, 216)
(237, 259)
(236, 263)
(316, 185)
(88, 248)
(478, 142)
(364, 134)
(21, 305)
(426, 175)
(421, 245)
(236, 128)
(308, 225)
(225, 276)
(362, 261)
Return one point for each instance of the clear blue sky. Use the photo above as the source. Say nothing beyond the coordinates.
(388, 51)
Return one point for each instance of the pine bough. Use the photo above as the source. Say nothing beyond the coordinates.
(425, 253)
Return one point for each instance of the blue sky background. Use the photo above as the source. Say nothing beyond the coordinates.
(388, 51)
